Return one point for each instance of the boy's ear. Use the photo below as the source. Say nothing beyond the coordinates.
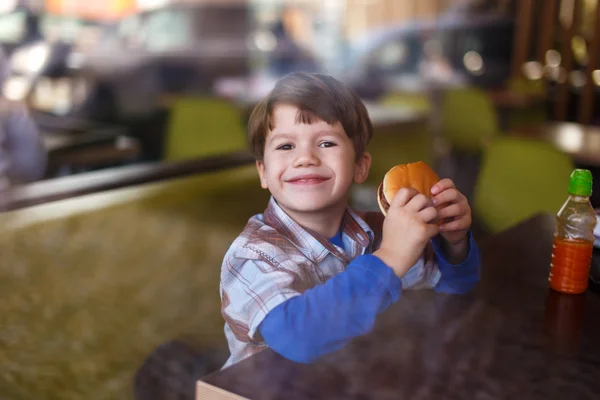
(260, 166)
(361, 172)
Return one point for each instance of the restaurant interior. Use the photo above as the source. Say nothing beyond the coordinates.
(110, 261)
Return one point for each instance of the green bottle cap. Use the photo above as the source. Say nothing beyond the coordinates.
(580, 183)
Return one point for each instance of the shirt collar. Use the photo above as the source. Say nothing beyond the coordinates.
(314, 245)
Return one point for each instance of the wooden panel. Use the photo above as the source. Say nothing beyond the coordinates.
(522, 35)
(570, 17)
(546, 32)
(437, 7)
(504, 6)
(586, 105)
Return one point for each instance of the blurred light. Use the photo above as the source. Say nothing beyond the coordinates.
(7, 6)
(37, 56)
(150, 4)
(571, 140)
(532, 70)
(565, 14)
(124, 142)
(54, 95)
(579, 48)
(557, 74)
(265, 41)
(15, 88)
(393, 55)
(553, 58)
(473, 62)
(577, 78)
(30, 59)
(596, 77)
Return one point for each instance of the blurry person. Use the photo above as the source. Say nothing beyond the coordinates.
(287, 55)
(434, 66)
(22, 154)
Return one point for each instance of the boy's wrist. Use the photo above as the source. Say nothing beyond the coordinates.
(455, 252)
(388, 259)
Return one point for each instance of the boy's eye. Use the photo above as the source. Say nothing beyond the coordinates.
(327, 144)
(285, 147)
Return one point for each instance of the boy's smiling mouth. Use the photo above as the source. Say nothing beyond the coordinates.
(309, 179)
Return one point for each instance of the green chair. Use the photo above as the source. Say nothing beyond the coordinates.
(201, 127)
(537, 113)
(469, 119)
(520, 178)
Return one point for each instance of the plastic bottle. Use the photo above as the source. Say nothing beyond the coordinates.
(574, 237)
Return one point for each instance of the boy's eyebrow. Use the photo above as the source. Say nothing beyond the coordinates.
(284, 135)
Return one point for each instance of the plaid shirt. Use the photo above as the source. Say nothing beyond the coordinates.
(275, 259)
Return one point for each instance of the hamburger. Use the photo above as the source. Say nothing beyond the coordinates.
(416, 175)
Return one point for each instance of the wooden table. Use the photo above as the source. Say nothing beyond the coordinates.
(511, 338)
(581, 142)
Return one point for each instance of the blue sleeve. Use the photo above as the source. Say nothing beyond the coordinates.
(328, 316)
(460, 278)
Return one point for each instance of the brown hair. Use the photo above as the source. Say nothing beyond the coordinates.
(317, 97)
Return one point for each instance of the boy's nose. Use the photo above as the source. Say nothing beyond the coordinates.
(306, 158)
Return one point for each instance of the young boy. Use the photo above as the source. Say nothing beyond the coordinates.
(310, 274)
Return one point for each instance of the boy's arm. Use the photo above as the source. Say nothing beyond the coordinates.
(458, 277)
(328, 316)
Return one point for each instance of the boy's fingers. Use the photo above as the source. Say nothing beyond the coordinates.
(418, 202)
(442, 185)
(403, 196)
(456, 225)
(447, 196)
(428, 214)
(453, 210)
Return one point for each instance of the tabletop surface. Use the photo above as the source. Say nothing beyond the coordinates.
(391, 115)
(511, 338)
(581, 142)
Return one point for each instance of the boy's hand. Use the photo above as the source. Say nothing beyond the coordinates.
(407, 228)
(455, 212)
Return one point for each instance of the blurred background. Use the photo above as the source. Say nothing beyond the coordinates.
(110, 257)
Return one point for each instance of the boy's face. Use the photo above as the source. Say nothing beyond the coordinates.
(309, 168)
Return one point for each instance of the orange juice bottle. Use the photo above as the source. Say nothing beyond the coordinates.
(574, 237)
